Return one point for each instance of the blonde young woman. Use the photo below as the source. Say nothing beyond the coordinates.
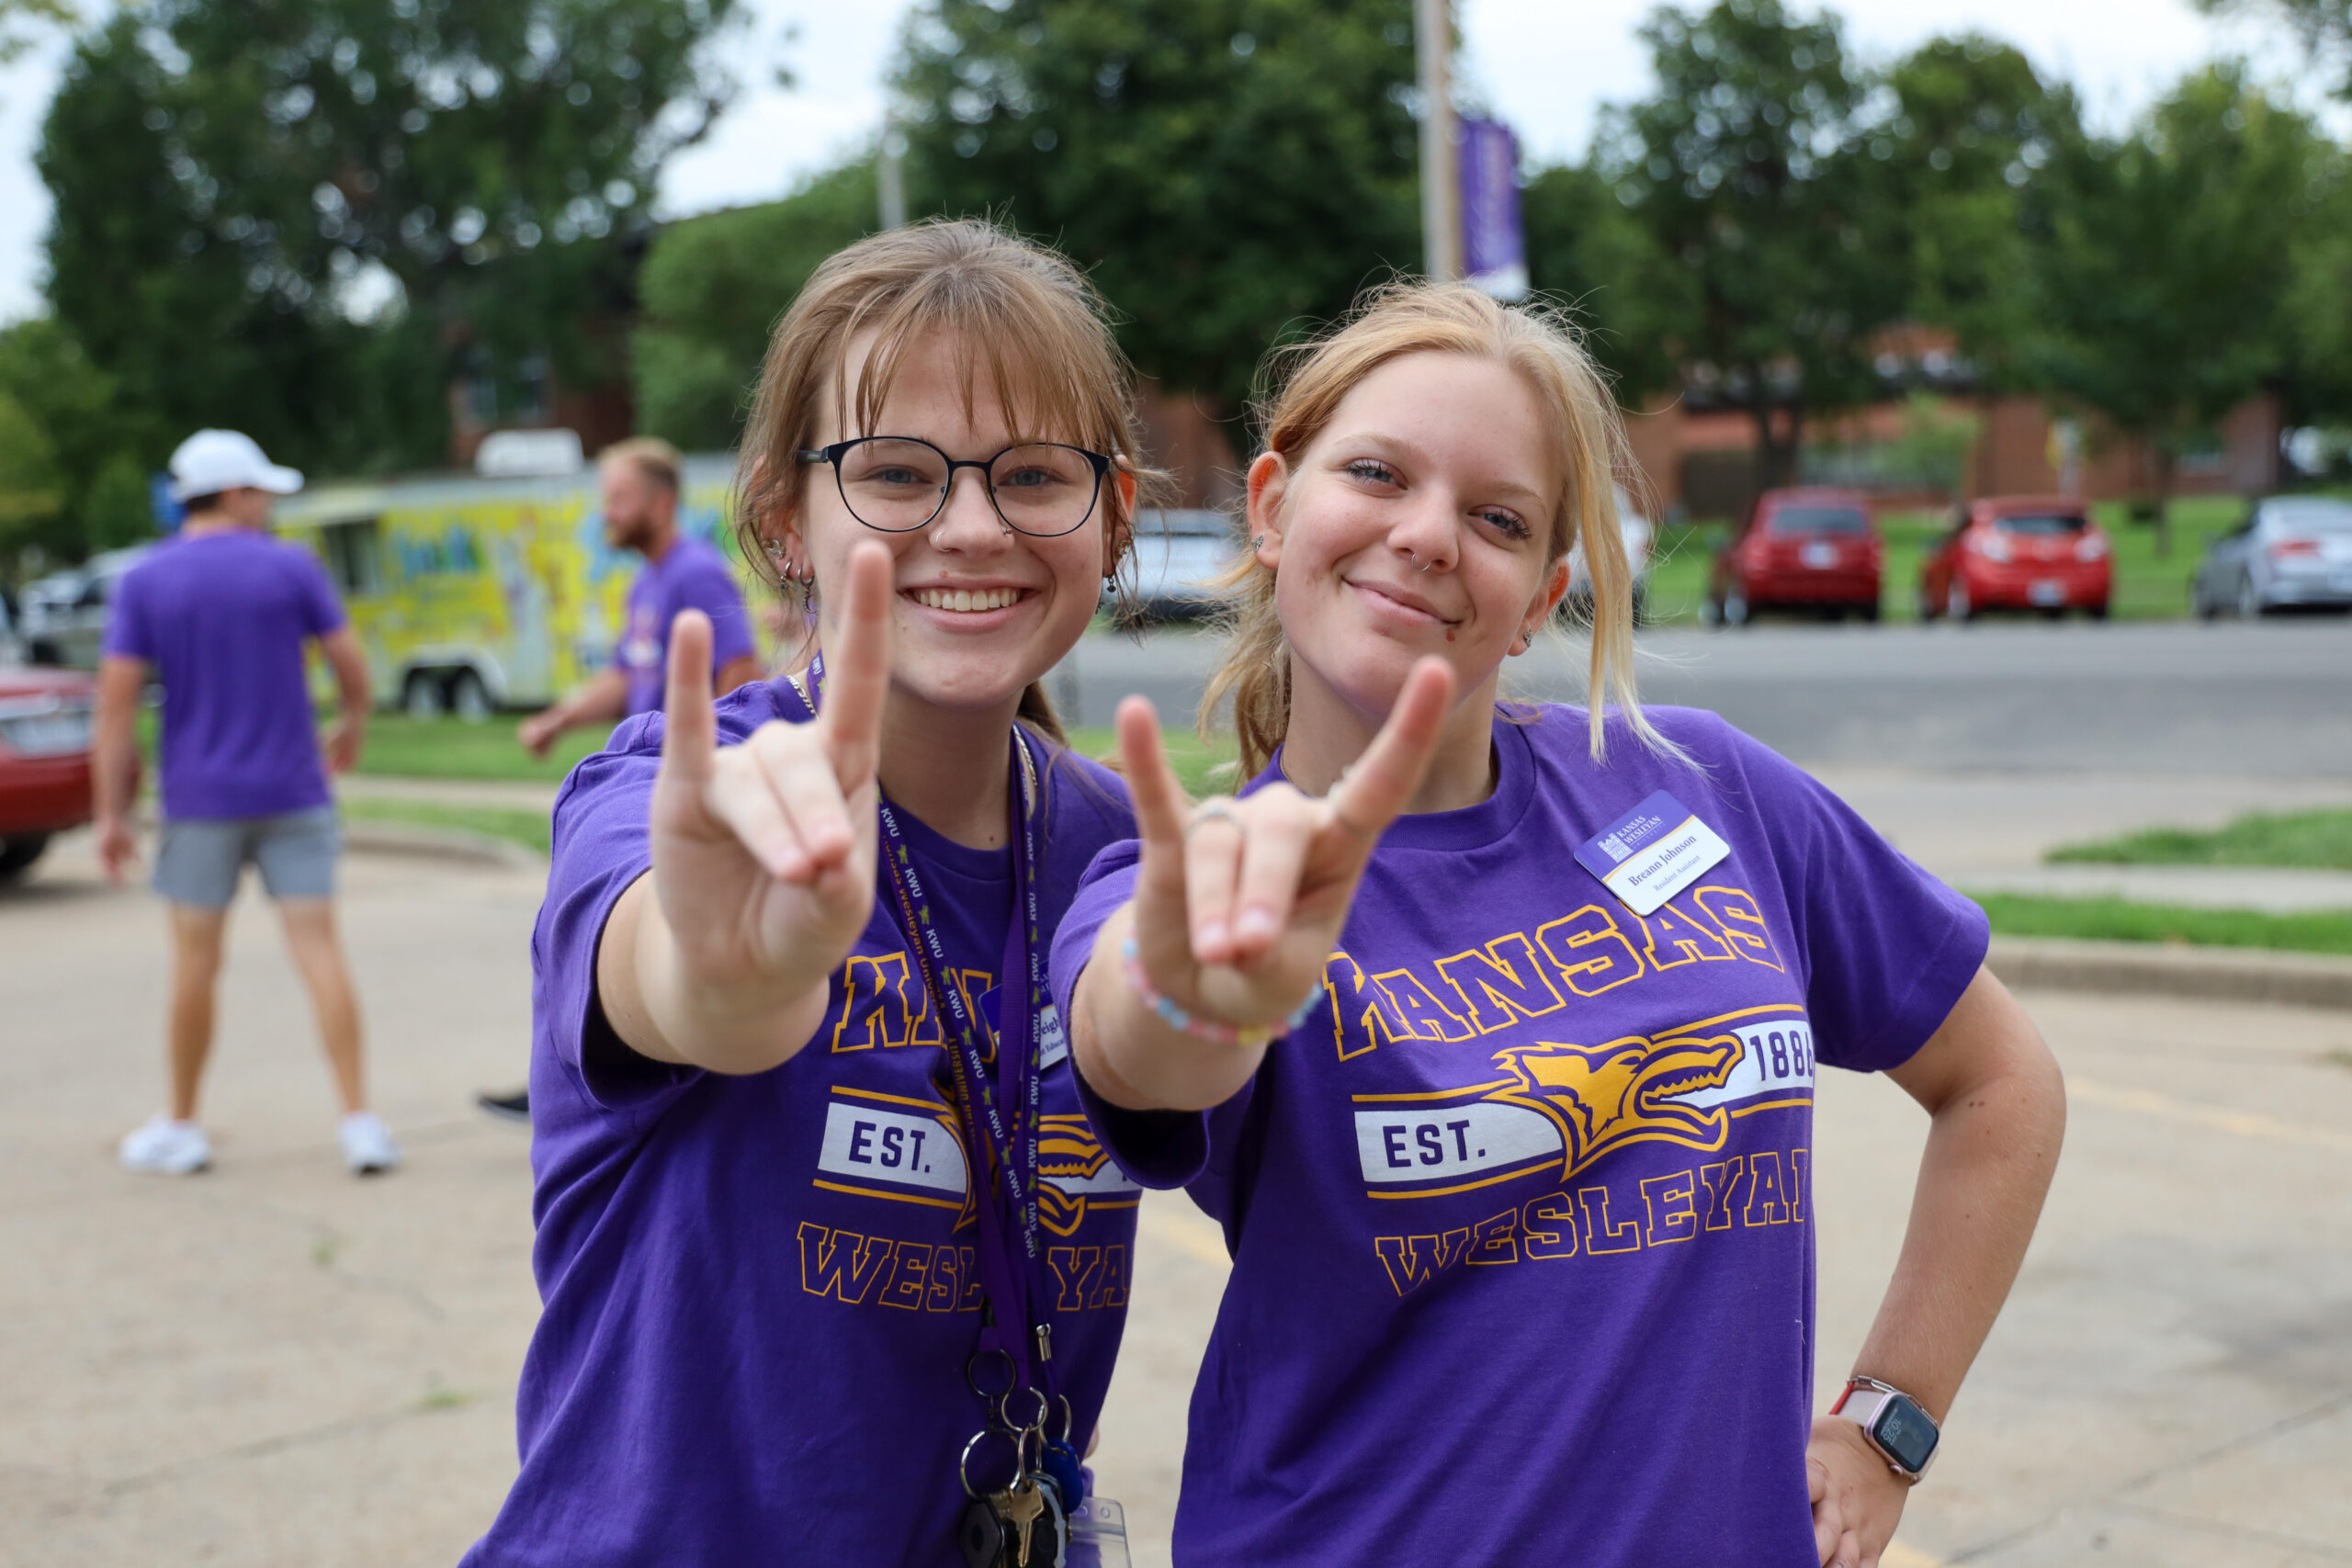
(1488, 1031)
(821, 1238)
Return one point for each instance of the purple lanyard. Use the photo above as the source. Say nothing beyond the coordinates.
(998, 1119)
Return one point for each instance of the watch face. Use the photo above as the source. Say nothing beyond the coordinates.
(1906, 1433)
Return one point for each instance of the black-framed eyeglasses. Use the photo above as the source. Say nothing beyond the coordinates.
(896, 484)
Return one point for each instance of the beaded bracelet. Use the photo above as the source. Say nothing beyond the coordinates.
(1208, 1029)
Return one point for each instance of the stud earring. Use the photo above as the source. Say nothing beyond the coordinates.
(1256, 541)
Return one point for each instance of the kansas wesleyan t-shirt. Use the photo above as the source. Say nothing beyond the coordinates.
(1521, 1217)
(759, 1292)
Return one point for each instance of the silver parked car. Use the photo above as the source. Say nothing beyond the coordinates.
(1640, 542)
(2291, 550)
(64, 615)
(1179, 554)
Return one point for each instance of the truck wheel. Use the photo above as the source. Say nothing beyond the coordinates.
(422, 698)
(470, 699)
(19, 851)
(1736, 608)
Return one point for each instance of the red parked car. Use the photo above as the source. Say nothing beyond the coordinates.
(44, 760)
(2019, 552)
(1809, 548)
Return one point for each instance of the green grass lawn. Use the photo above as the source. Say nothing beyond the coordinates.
(1195, 761)
(2147, 586)
(2122, 919)
(2317, 840)
(518, 826)
(401, 746)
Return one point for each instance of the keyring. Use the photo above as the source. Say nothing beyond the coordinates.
(1069, 1420)
(972, 1381)
(1037, 1425)
(964, 1464)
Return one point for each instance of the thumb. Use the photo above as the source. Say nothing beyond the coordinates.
(1383, 781)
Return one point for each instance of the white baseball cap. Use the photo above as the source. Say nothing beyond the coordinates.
(213, 461)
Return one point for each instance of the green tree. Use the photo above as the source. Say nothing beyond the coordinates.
(1744, 166)
(2171, 251)
(258, 205)
(1229, 169)
(2325, 26)
(1588, 250)
(711, 290)
(1958, 182)
(61, 427)
(16, 14)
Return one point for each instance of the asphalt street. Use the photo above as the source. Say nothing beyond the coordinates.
(276, 1365)
(2272, 698)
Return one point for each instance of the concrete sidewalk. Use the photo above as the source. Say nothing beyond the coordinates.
(1987, 831)
(278, 1366)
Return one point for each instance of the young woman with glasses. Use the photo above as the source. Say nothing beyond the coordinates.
(1505, 1102)
(832, 1272)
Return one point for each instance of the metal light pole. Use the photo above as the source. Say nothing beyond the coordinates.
(889, 176)
(1441, 210)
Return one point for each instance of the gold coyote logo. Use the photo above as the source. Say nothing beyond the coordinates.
(1603, 1096)
(1066, 1152)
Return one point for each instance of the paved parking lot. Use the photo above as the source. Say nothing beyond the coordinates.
(277, 1364)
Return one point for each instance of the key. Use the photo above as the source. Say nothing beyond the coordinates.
(1019, 1506)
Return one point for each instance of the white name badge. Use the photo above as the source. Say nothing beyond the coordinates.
(1652, 852)
(889, 1146)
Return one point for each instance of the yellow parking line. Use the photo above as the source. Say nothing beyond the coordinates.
(2245, 1123)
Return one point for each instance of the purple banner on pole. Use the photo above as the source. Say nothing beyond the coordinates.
(1494, 246)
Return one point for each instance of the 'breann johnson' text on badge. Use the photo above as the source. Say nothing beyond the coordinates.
(1652, 852)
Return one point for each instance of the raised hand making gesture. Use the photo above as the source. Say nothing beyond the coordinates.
(763, 856)
(1238, 904)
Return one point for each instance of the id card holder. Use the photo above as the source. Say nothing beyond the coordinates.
(1098, 1535)
(1652, 852)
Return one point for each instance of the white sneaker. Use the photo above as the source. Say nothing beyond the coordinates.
(367, 1147)
(165, 1147)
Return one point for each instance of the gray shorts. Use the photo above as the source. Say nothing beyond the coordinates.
(200, 858)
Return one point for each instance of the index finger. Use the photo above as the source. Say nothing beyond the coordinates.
(1159, 797)
(1384, 779)
(689, 729)
(857, 668)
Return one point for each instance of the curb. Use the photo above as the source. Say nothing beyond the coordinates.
(2219, 973)
(446, 844)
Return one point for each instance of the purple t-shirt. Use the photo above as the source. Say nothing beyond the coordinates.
(760, 1293)
(1521, 1217)
(693, 576)
(222, 617)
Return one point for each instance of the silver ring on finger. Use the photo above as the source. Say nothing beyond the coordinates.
(1210, 811)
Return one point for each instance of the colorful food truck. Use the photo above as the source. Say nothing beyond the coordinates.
(474, 593)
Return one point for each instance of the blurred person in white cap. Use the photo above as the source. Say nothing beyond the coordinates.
(222, 613)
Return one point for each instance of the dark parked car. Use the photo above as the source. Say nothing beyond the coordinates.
(44, 760)
(1809, 548)
(2019, 552)
(2291, 551)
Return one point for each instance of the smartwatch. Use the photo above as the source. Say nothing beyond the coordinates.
(1904, 1435)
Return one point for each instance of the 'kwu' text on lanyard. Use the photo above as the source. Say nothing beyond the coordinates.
(1004, 1111)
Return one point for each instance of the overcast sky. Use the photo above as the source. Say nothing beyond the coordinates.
(1545, 66)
